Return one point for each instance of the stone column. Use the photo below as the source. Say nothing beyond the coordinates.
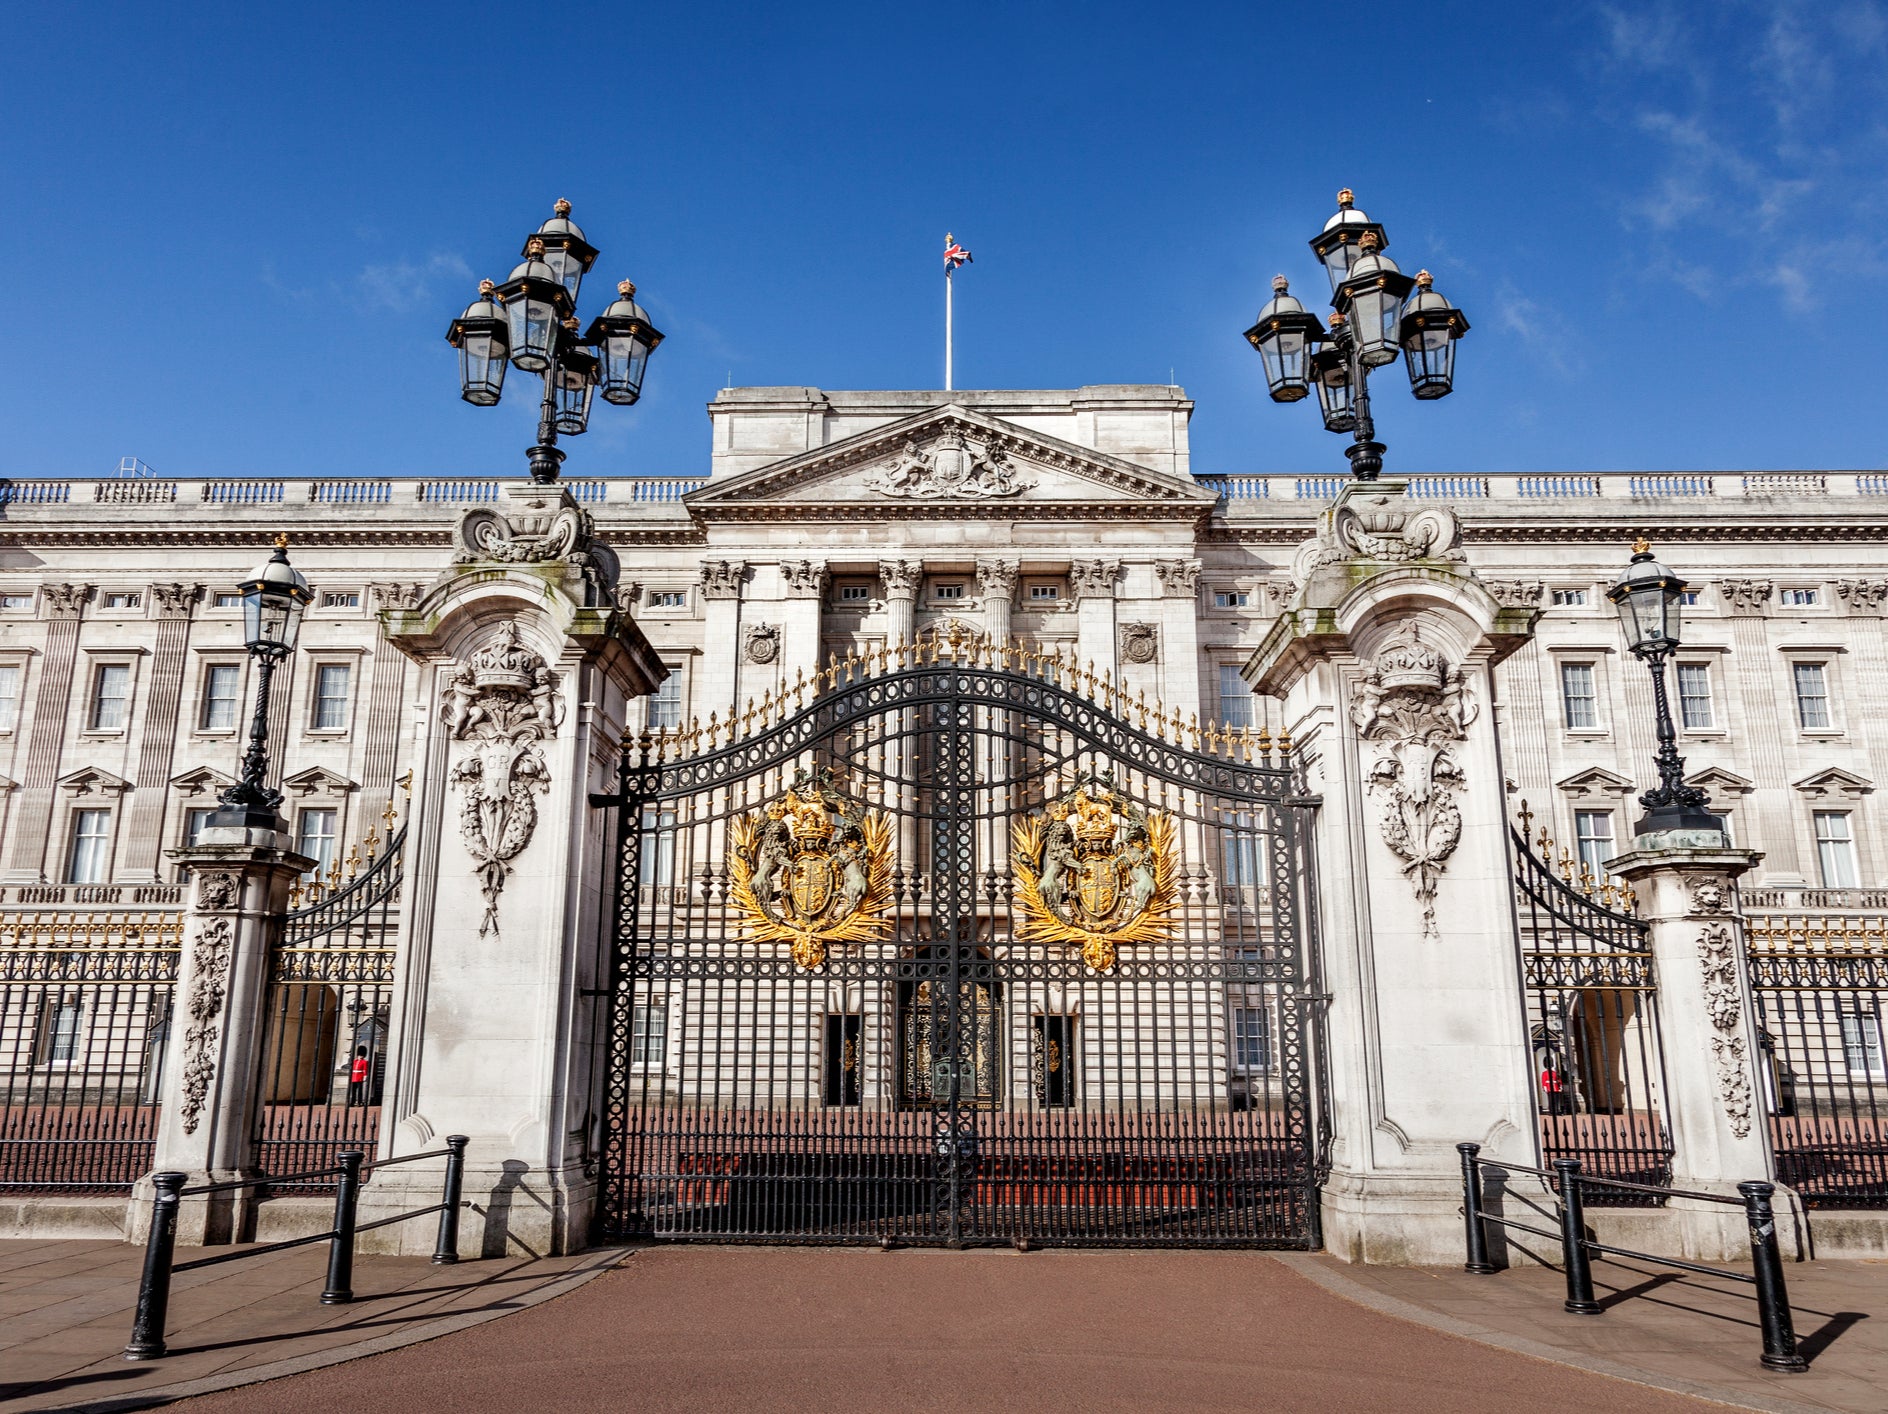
(1093, 583)
(900, 580)
(1713, 1100)
(1179, 582)
(805, 584)
(1384, 664)
(157, 743)
(997, 580)
(206, 1128)
(386, 695)
(718, 682)
(52, 698)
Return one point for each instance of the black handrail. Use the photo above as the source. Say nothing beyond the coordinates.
(160, 1264)
(1577, 1249)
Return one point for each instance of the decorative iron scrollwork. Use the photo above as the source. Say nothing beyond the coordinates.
(1096, 869)
(811, 869)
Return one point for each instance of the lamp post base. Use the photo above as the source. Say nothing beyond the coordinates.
(545, 461)
(1366, 459)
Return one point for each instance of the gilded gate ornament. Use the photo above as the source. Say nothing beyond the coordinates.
(811, 868)
(1094, 868)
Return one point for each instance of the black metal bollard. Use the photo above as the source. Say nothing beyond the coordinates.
(1573, 1251)
(446, 1246)
(1476, 1232)
(1773, 1299)
(340, 1288)
(147, 1326)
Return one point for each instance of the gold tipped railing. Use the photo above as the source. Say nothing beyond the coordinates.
(360, 856)
(100, 930)
(1576, 875)
(1850, 936)
(1226, 740)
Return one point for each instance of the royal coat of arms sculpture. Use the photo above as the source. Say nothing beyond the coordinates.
(811, 869)
(1093, 868)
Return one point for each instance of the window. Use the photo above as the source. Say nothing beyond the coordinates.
(331, 697)
(1242, 852)
(1688, 597)
(1235, 698)
(16, 601)
(947, 591)
(668, 598)
(111, 696)
(1044, 593)
(665, 708)
(222, 682)
(9, 698)
(314, 837)
(649, 1033)
(1252, 1038)
(656, 868)
(1861, 1043)
(1231, 599)
(1579, 697)
(1593, 829)
(854, 593)
(196, 821)
(91, 846)
(1800, 598)
(226, 599)
(60, 1021)
(341, 599)
(1052, 1047)
(1812, 695)
(1835, 849)
(122, 599)
(1694, 696)
(1569, 598)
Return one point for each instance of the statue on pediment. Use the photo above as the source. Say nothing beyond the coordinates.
(949, 469)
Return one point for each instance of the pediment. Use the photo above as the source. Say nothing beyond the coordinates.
(957, 458)
(202, 781)
(92, 781)
(1716, 781)
(1596, 781)
(317, 780)
(1835, 782)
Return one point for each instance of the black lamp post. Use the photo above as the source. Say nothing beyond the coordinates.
(530, 323)
(1374, 316)
(274, 596)
(1649, 597)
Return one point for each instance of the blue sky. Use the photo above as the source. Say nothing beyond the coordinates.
(238, 232)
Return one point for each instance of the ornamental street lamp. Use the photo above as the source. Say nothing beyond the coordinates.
(1375, 316)
(530, 323)
(1648, 597)
(274, 596)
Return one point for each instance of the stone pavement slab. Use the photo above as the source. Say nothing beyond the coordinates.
(838, 1330)
(1672, 1329)
(66, 1307)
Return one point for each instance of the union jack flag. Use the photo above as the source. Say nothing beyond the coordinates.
(954, 254)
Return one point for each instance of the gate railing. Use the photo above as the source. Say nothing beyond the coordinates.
(1819, 983)
(330, 998)
(1593, 1035)
(85, 1007)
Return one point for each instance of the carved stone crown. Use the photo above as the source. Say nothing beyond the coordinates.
(1410, 665)
(504, 663)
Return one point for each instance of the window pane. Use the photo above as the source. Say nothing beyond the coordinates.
(657, 867)
(1252, 1038)
(60, 1029)
(1835, 849)
(111, 693)
(1594, 829)
(1812, 695)
(220, 686)
(331, 696)
(649, 1033)
(665, 708)
(1242, 852)
(9, 699)
(91, 839)
(1580, 705)
(1694, 695)
(1235, 698)
(195, 821)
(314, 837)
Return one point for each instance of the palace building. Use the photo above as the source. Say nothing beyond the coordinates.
(949, 816)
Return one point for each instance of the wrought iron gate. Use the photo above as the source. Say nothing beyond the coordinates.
(957, 945)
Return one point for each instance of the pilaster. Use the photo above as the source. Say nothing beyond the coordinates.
(1093, 583)
(718, 682)
(52, 705)
(804, 582)
(900, 580)
(997, 580)
(1178, 617)
(157, 743)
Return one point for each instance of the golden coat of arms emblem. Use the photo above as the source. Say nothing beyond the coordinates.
(811, 868)
(1094, 868)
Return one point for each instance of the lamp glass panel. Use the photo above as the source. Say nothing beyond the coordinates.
(533, 324)
(481, 368)
(624, 359)
(1337, 404)
(1374, 317)
(566, 267)
(1430, 354)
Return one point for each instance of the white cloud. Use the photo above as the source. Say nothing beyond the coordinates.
(404, 285)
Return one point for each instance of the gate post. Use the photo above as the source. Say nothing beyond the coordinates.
(1384, 662)
(1714, 1097)
(527, 670)
(238, 888)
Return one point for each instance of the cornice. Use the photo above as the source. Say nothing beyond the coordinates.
(791, 512)
(169, 533)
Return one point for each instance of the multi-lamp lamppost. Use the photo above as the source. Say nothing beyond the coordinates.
(1377, 313)
(1650, 599)
(530, 323)
(274, 596)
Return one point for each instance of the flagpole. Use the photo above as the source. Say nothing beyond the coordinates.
(947, 328)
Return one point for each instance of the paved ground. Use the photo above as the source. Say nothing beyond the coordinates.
(65, 1314)
(843, 1329)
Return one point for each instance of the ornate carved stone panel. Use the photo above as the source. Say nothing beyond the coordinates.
(1745, 596)
(1179, 579)
(997, 577)
(1717, 951)
(900, 577)
(1139, 643)
(1863, 596)
(1094, 579)
(953, 467)
(760, 643)
(722, 579)
(804, 579)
